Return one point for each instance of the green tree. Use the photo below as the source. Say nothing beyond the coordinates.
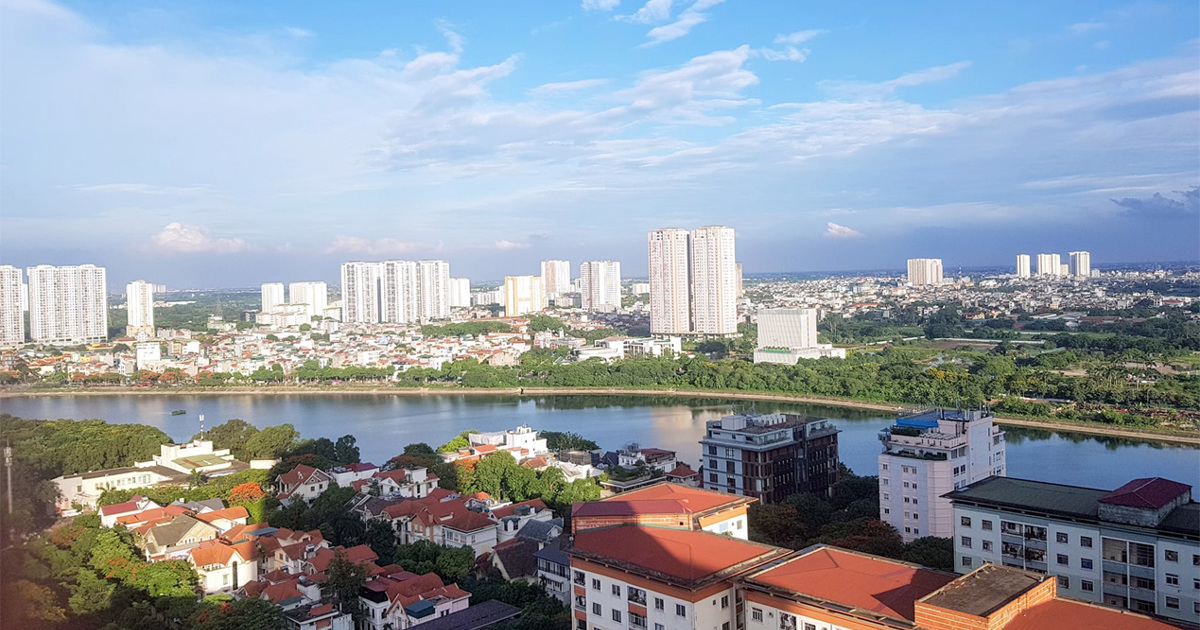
(343, 579)
(272, 442)
(250, 613)
(345, 451)
(493, 471)
(172, 578)
(234, 435)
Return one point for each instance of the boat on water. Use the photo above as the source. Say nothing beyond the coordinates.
(178, 412)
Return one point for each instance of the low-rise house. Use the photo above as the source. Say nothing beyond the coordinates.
(162, 542)
(302, 482)
(511, 518)
(317, 616)
(109, 514)
(413, 483)
(223, 566)
(287, 551)
(554, 570)
(345, 475)
(514, 559)
(225, 519)
(403, 600)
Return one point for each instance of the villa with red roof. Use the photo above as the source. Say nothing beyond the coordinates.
(110, 513)
(667, 505)
(302, 482)
(403, 600)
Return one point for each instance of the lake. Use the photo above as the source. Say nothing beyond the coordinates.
(384, 423)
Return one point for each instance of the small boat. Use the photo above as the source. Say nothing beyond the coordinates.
(178, 412)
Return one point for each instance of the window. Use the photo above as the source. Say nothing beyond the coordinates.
(581, 602)
(659, 626)
(1085, 541)
(595, 584)
(883, 482)
(965, 541)
(724, 601)
(1196, 559)
(616, 590)
(1173, 602)
(580, 624)
(1143, 555)
(596, 610)
(636, 620)
(1171, 556)
(1063, 559)
(1087, 586)
(1061, 537)
(1196, 583)
(887, 510)
(985, 526)
(1064, 581)
(680, 610)
(887, 497)
(966, 561)
(756, 614)
(810, 626)
(987, 545)
(712, 477)
(907, 500)
(1172, 579)
(658, 603)
(883, 467)
(916, 530)
(965, 521)
(616, 614)
(1085, 563)
(636, 595)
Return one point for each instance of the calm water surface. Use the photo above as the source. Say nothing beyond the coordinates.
(384, 423)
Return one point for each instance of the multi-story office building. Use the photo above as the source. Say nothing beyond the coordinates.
(714, 281)
(1049, 265)
(928, 454)
(139, 308)
(361, 292)
(1022, 265)
(12, 321)
(272, 296)
(769, 456)
(556, 277)
(600, 285)
(1136, 547)
(67, 304)
(786, 335)
(924, 271)
(670, 282)
(313, 295)
(433, 290)
(1081, 264)
(523, 295)
(460, 292)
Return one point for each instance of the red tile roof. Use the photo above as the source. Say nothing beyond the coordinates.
(153, 514)
(1151, 492)
(121, 508)
(859, 580)
(359, 554)
(697, 500)
(683, 472)
(1062, 614)
(616, 507)
(218, 552)
(686, 555)
(229, 513)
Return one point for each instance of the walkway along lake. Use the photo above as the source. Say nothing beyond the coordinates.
(384, 423)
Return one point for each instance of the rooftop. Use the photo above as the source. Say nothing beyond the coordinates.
(1151, 493)
(985, 590)
(477, 616)
(694, 499)
(1065, 614)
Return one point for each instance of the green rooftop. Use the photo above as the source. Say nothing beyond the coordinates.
(1041, 496)
(199, 461)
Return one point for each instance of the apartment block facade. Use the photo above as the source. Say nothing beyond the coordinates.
(395, 291)
(924, 271)
(67, 304)
(12, 320)
(769, 457)
(670, 282)
(600, 285)
(556, 277)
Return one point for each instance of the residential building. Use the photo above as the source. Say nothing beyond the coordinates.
(924, 271)
(314, 296)
(556, 277)
(433, 290)
(149, 353)
(667, 505)
(1022, 265)
(12, 296)
(631, 576)
(1081, 264)
(1136, 547)
(360, 292)
(769, 456)
(181, 534)
(928, 454)
(460, 293)
(224, 565)
(67, 304)
(523, 442)
(399, 286)
(714, 281)
(482, 615)
(303, 482)
(600, 285)
(1049, 265)
(139, 309)
(670, 282)
(786, 335)
(523, 295)
(404, 600)
(272, 296)
(346, 475)
(554, 570)
(741, 290)
(317, 616)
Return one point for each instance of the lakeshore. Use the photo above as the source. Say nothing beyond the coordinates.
(1090, 428)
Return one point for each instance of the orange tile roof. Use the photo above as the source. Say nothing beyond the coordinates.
(359, 554)
(217, 552)
(229, 513)
(1062, 614)
(852, 579)
(153, 514)
(695, 499)
(682, 554)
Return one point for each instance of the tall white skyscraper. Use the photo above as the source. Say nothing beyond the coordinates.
(600, 285)
(12, 322)
(433, 290)
(1022, 265)
(272, 296)
(313, 295)
(460, 292)
(670, 282)
(523, 295)
(714, 281)
(1049, 265)
(556, 276)
(139, 305)
(924, 271)
(1081, 264)
(67, 304)
(398, 288)
(360, 292)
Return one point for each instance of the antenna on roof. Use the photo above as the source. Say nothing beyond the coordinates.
(201, 425)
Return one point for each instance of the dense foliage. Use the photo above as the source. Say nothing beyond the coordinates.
(503, 478)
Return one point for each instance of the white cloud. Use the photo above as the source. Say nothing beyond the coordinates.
(834, 230)
(600, 5)
(689, 19)
(651, 12)
(139, 189)
(799, 37)
(1080, 28)
(509, 245)
(176, 237)
(882, 88)
(372, 247)
(790, 43)
(566, 86)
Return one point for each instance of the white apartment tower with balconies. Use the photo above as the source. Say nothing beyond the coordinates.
(670, 282)
(272, 296)
(313, 295)
(928, 454)
(600, 285)
(12, 322)
(1081, 264)
(460, 292)
(1023, 265)
(1049, 265)
(714, 281)
(523, 295)
(924, 271)
(433, 290)
(139, 307)
(360, 292)
(556, 277)
(67, 304)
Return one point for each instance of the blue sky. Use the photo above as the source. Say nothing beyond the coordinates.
(231, 143)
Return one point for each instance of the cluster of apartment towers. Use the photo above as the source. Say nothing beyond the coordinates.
(926, 271)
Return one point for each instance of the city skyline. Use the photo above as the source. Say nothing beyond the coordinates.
(287, 143)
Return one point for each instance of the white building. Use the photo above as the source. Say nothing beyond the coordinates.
(149, 354)
(1049, 265)
(1022, 265)
(523, 438)
(556, 277)
(313, 295)
(1081, 264)
(670, 282)
(485, 298)
(523, 295)
(786, 335)
(433, 290)
(1135, 547)
(12, 322)
(272, 296)
(639, 288)
(67, 304)
(600, 285)
(460, 292)
(714, 281)
(399, 286)
(139, 307)
(928, 454)
(924, 271)
(360, 292)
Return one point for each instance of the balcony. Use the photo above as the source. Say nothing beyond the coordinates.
(638, 598)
